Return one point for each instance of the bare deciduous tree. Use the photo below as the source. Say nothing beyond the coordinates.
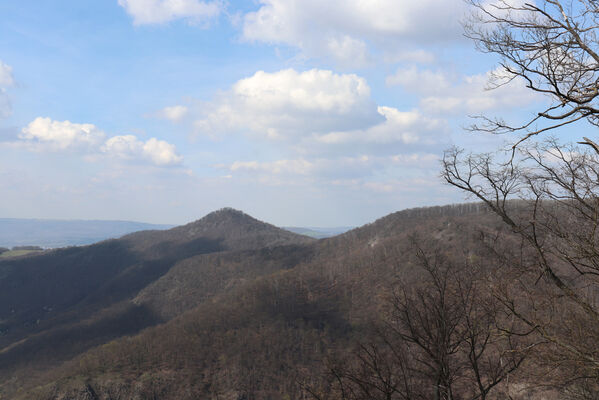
(557, 286)
(552, 45)
(438, 338)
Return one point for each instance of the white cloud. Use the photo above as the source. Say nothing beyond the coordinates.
(44, 133)
(123, 146)
(348, 51)
(441, 93)
(6, 81)
(163, 11)
(344, 28)
(314, 90)
(315, 113)
(157, 151)
(173, 113)
(288, 104)
(405, 127)
(161, 152)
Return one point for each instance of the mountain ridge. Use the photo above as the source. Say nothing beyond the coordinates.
(190, 286)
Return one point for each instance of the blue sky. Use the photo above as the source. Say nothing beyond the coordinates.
(298, 112)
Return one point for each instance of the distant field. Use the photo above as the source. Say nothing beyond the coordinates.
(16, 253)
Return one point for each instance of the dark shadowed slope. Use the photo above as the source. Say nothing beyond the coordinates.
(116, 269)
(57, 304)
(198, 279)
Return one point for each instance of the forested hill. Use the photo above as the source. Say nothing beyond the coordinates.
(62, 233)
(232, 306)
(228, 229)
(59, 303)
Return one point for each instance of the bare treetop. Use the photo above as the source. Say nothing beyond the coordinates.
(553, 46)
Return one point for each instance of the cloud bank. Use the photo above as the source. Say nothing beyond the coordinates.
(346, 29)
(288, 104)
(326, 124)
(156, 151)
(441, 93)
(45, 134)
(315, 112)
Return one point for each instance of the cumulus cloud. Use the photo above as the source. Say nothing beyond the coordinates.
(407, 127)
(161, 152)
(157, 151)
(173, 113)
(343, 29)
(6, 81)
(326, 123)
(45, 134)
(314, 113)
(288, 104)
(163, 11)
(471, 94)
(60, 135)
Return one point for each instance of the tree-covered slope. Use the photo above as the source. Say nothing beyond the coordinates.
(57, 304)
(272, 334)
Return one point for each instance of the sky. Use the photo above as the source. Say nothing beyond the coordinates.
(298, 112)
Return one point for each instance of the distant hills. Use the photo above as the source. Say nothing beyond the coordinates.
(319, 233)
(49, 233)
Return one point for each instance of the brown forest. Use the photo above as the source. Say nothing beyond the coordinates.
(413, 306)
